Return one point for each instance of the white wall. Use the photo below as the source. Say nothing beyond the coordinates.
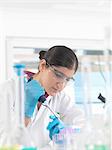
(53, 24)
(26, 22)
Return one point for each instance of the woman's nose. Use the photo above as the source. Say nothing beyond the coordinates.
(60, 85)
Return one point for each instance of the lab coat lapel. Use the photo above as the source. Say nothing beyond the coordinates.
(42, 109)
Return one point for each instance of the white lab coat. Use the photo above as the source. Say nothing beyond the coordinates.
(61, 103)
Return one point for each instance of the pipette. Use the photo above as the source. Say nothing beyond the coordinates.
(53, 112)
(42, 99)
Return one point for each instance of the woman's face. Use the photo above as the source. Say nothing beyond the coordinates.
(53, 78)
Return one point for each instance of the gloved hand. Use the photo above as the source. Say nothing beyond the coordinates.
(33, 90)
(55, 126)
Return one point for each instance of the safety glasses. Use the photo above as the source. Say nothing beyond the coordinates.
(59, 75)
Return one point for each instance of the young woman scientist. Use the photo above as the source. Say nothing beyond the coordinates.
(56, 69)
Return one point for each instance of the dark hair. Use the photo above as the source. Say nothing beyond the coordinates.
(61, 56)
(41, 54)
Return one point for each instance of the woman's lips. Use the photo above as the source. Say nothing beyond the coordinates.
(55, 90)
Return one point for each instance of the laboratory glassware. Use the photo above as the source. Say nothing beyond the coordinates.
(108, 104)
(42, 99)
(51, 110)
(68, 139)
(23, 137)
(5, 129)
(96, 140)
(99, 137)
(17, 136)
(86, 82)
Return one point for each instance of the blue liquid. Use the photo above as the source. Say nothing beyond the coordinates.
(29, 148)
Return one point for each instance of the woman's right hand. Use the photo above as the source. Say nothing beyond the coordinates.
(33, 91)
(55, 126)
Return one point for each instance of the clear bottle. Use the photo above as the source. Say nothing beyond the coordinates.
(17, 136)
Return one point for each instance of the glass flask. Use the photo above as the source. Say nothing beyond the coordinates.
(16, 135)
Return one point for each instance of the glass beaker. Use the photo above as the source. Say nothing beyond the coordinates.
(67, 139)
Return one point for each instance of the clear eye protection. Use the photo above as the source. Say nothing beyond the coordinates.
(59, 75)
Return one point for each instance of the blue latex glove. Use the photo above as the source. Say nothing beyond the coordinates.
(33, 90)
(55, 126)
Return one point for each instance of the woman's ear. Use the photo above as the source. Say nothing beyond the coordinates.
(42, 65)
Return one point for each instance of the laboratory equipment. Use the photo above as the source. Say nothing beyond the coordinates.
(108, 123)
(42, 99)
(68, 139)
(108, 105)
(98, 138)
(23, 136)
(94, 136)
(51, 110)
(5, 129)
(17, 136)
(86, 80)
